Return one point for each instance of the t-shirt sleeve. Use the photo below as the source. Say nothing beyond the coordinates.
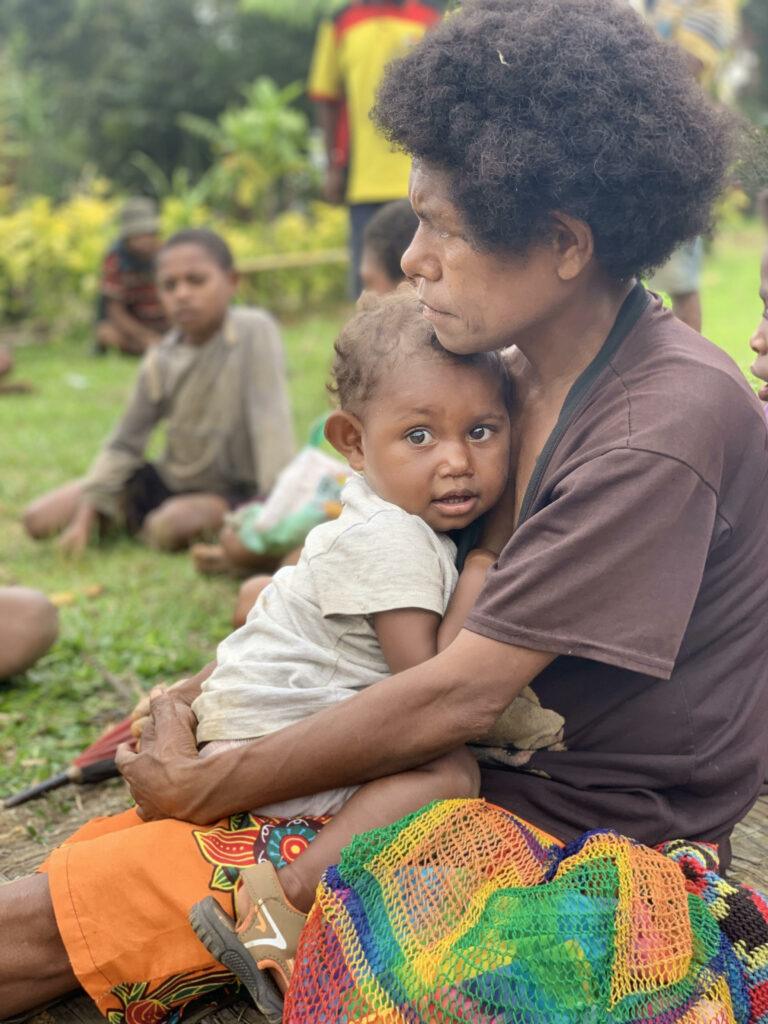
(610, 568)
(325, 82)
(386, 563)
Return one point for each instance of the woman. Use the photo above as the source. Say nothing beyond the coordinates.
(547, 140)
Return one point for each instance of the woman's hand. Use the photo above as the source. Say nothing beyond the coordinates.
(140, 714)
(163, 775)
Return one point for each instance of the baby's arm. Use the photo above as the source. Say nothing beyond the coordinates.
(471, 582)
(409, 636)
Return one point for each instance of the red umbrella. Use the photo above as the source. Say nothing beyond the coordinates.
(95, 764)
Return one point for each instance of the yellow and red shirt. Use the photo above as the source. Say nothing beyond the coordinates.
(351, 51)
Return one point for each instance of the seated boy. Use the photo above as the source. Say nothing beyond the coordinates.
(386, 237)
(130, 316)
(428, 435)
(218, 381)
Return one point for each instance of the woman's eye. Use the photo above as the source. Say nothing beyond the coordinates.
(418, 437)
(480, 433)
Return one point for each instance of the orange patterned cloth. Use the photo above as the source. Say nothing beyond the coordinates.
(121, 890)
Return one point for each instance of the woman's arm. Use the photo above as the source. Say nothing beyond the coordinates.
(393, 725)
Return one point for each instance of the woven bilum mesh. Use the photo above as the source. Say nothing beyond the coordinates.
(464, 912)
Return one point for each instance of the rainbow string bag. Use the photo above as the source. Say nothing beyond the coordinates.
(464, 912)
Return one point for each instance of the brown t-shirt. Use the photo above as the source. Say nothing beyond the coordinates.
(639, 558)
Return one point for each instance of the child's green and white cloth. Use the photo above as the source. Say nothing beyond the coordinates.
(306, 494)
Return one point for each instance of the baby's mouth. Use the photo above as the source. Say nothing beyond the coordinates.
(456, 503)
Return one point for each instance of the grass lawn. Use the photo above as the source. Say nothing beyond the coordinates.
(153, 618)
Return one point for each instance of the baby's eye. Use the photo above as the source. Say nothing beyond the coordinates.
(418, 437)
(480, 432)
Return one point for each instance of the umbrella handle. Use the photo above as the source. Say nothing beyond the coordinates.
(55, 781)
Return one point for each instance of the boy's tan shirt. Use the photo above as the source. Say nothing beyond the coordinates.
(227, 410)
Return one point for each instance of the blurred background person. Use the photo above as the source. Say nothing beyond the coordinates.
(130, 315)
(705, 31)
(29, 625)
(351, 51)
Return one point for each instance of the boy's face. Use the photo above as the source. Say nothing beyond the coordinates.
(145, 245)
(195, 290)
(435, 441)
(477, 301)
(759, 340)
(374, 275)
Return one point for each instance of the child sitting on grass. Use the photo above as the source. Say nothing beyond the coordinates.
(375, 592)
(218, 381)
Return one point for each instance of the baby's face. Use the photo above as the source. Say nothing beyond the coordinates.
(759, 340)
(436, 441)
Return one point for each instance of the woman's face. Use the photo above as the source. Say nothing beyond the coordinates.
(477, 301)
(759, 340)
(194, 289)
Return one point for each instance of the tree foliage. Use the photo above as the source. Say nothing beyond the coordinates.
(93, 82)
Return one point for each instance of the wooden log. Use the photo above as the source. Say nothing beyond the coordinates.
(292, 261)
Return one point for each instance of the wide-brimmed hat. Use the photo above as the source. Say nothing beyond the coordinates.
(139, 216)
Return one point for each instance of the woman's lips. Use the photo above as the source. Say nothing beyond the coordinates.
(430, 313)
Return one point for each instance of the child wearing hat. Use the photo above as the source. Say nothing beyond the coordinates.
(130, 316)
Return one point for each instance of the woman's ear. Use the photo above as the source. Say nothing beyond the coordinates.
(345, 432)
(574, 245)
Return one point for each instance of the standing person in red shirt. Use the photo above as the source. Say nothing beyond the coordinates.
(130, 315)
(352, 50)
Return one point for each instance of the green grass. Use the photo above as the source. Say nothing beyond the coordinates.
(155, 618)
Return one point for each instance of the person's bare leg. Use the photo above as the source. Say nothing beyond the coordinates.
(29, 624)
(52, 512)
(34, 967)
(183, 519)
(687, 308)
(377, 803)
(247, 597)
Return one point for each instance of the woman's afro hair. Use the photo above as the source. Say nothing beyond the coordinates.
(536, 106)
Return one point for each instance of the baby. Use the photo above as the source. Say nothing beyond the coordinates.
(374, 593)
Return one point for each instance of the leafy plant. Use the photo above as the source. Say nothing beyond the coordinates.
(261, 148)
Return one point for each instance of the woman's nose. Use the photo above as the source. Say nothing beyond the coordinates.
(759, 340)
(417, 261)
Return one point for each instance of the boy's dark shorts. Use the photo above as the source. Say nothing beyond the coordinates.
(145, 490)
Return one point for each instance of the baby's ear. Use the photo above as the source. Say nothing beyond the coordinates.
(345, 432)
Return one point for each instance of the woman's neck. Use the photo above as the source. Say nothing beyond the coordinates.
(561, 348)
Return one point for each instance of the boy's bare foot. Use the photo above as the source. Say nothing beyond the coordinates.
(210, 559)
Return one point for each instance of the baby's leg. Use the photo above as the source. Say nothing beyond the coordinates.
(377, 803)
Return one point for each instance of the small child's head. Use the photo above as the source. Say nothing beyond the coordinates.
(196, 281)
(387, 236)
(759, 340)
(429, 429)
(139, 226)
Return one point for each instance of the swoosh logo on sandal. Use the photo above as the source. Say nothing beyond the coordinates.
(278, 940)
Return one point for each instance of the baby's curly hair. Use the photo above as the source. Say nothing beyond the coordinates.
(562, 105)
(384, 332)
